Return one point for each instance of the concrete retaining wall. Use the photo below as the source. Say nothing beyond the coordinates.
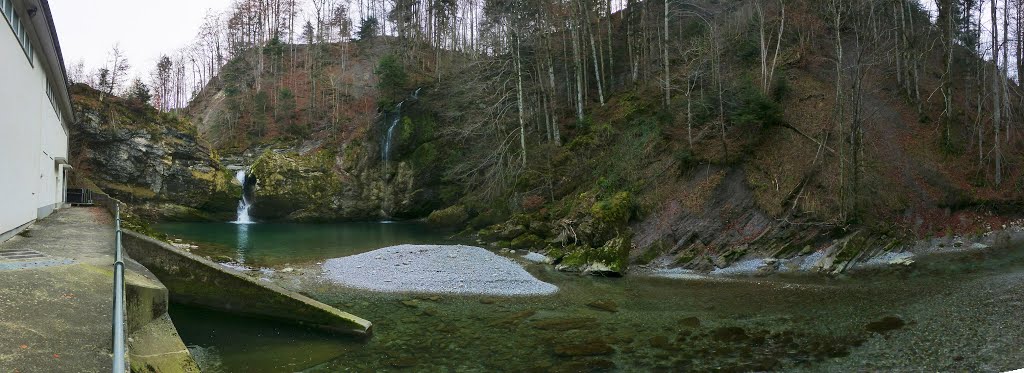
(194, 280)
(146, 299)
(153, 343)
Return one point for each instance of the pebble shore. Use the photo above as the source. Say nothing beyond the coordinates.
(444, 269)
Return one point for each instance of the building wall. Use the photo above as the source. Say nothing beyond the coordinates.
(31, 137)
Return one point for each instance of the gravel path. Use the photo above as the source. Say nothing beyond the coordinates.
(451, 269)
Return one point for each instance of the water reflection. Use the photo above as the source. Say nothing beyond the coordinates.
(243, 242)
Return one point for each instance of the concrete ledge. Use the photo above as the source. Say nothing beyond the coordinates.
(196, 281)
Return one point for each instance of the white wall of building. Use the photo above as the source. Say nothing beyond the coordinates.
(31, 137)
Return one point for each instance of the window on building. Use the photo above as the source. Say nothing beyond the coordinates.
(52, 95)
(20, 31)
(8, 8)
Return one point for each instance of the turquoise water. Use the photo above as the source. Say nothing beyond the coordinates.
(275, 244)
(949, 313)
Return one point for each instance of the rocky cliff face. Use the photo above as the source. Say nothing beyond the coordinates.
(149, 159)
(326, 185)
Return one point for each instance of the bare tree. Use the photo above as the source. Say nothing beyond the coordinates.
(117, 68)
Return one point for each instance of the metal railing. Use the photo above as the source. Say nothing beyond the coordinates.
(118, 318)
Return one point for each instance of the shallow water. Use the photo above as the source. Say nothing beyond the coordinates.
(950, 313)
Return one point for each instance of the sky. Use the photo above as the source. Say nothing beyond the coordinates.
(87, 29)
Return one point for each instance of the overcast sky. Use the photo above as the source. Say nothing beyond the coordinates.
(145, 28)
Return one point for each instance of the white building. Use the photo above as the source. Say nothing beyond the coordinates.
(35, 113)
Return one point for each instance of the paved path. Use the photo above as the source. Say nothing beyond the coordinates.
(55, 308)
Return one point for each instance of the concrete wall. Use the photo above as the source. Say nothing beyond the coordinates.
(31, 135)
(197, 281)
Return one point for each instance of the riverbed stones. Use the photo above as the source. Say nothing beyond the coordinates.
(564, 324)
(660, 342)
(885, 325)
(515, 318)
(690, 322)
(595, 365)
(604, 305)
(592, 347)
(729, 334)
(446, 269)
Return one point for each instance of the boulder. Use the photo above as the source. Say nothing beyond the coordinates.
(528, 242)
(452, 217)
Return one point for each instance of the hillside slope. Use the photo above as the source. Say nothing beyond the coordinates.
(724, 171)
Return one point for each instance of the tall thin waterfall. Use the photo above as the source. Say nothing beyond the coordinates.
(243, 202)
(393, 118)
(396, 116)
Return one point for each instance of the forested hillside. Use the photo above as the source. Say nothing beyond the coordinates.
(693, 133)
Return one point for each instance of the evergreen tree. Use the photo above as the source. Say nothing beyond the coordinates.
(367, 28)
(139, 92)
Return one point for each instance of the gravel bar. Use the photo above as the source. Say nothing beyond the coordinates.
(448, 269)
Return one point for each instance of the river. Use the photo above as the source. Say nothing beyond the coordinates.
(952, 312)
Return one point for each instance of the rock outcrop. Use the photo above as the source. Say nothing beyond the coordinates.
(150, 159)
(324, 185)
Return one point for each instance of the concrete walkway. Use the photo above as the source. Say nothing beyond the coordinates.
(56, 282)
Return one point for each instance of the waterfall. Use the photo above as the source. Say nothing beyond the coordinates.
(243, 202)
(396, 116)
(393, 118)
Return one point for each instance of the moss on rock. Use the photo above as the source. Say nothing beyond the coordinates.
(613, 255)
(527, 241)
(453, 217)
(614, 211)
(286, 183)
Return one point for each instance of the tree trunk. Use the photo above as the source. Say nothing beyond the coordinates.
(579, 73)
(664, 48)
(997, 103)
(597, 70)
(519, 95)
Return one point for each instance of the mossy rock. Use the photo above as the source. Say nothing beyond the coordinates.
(453, 217)
(614, 211)
(172, 213)
(613, 256)
(487, 218)
(226, 194)
(507, 232)
(286, 183)
(527, 241)
(490, 233)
